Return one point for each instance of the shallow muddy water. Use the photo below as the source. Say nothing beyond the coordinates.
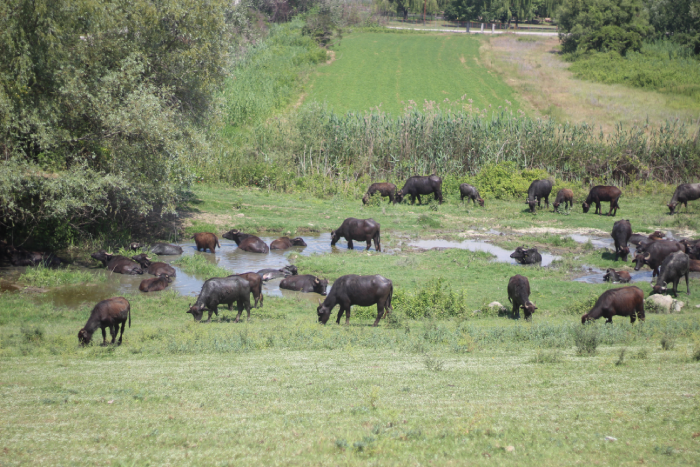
(501, 254)
(596, 277)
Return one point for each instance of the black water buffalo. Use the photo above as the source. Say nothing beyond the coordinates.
(255, 280)
(284, 243)
(603, 193)
(156, 284)
(421, 185)
(117, 263)
(162, 249)
(247, 242)
(526, 256)
(565, 196)
(352, 290)
(684, 193)
(675, 266)
(655, 253)
(384, 189)
(362, 230)
(519, 296)
(156, 269)
(305, 283)
(538, 189)
(622, 277)
(205, 240)
(624, 301)
(468, 191)
(110, 314)
(269, 274)
(220, 290)
(621, 233)
(18, 256)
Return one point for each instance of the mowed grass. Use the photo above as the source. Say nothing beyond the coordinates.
(387, 70)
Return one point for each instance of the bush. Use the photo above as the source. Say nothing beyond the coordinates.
(668, 341)
(435, 299)
(546, 356)
(586, 339)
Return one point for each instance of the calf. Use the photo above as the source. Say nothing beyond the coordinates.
(219, 290)
(255, 280)
(538, 189)
(526, 256)
(655, 253)
(675, 266)
(110, 314)
(156, 284)
(352, 290)
(622, 277)
(603, 193)
(621, 233)
(684, 193)
(156, 269)
(306, 283)
(384, 189)
(206, 240)
(284, 243)
(362, 230)
(468, 191)
(519, 296)
(624, 301)
(565, 196)
(268, 274)
(421, 185)
(247, 242)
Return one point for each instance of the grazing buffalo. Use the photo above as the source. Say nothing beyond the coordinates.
(526, 256)
(205, 240)
(519, 296)
(684, 193)
(621, 233)
(384, 189)
(156, 284)
(247, 242)
(357, 290)
(269, 274)
(565, 196)
(470, 192)
(362, 230)
(421, 185)
(283, 243)
(222, 290)
(255, 280)
(110, 314)
(675, 266)
(538, 189)
(655, 253)
(117, 263)
(162, 249)
(624, 301)
(306, 283)
(622, 277)
(156, 269)
(603, 193)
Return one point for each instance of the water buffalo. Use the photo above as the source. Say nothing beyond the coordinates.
(255, 280)
(384, 189)
(603, 193)
(154, 268)
(621, 233)
(117, 263)
(622, 277)
(421, 185)
(526, 256)
(110, 314)
(306, 283)
(684, 193)
(655, 253)
(362, 230)
(565, 196)
(162, 249)
(283, 243)
(675, 266)
(624, 301)
(357, 290)
(205, 240)
(538, 189)
(222, 290)
(519, 296)
(694, 265)
(156, 284)
(470, 192)
(18, 256)
(269, 274)
(247, 242)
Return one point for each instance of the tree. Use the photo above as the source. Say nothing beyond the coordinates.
(678, 20)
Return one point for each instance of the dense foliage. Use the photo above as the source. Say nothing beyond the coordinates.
(500, 10)
(678, 20)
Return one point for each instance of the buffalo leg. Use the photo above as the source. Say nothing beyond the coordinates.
(113, 331)
(122, 333)
(687, 285)
(419, 200)
(369, 243)
(377, 245)
(380, 313)
(104, 336)
(347, 315)
(341, 310)
(462, 198)
(516, 310)
(546, 200)
(350, 247)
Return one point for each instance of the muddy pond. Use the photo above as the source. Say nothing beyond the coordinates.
(501, 254)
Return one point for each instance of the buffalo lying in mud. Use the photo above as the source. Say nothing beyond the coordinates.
(603, 193)
(306, 283)
(255, 280)
(18, 256)
(247, 242)
(362, 230)
(622, 277)
(655, 253)
(519, 296)
(470, 192)
(220, 290)
(538, 189)
(269, 274)
(675, 266)
(284, 243)
(206, 240)
(110, 314)
(156, 284)
(624, 301)
(526, 256)
(684, 193)
(161, 249)
(384, 189)
(156, 269)
(621, 233)
(565, 196)
(421, 185)
(352, 290)
(118, 264)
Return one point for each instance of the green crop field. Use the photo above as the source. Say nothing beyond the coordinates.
(387, 70)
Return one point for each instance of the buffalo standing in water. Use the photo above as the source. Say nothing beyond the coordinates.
(538, 189)
(621, 233)
(624, 301)
(384, 189)
(362, 230)
(352, 290)
(684, 193)
(603, 193)
(421, 185)
(205, 240)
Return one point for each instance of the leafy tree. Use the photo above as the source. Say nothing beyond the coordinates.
(678, 20)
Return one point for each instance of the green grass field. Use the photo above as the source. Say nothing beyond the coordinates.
(387, 70)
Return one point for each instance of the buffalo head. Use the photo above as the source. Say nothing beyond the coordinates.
(585, 207)
(291, 269)
(142, 259)
(624, 251)
(102, 256)
(323, 311)
(365, 198)
(298, 241)
(136, 246)
(672, 207)
(480, 201)
(659, 288)
(334, 237)
(197, 312)
(399, 196)
(641, 260)
(529, 308)
(320, 286)
(519, 253)
(84, 337)
(233, 234)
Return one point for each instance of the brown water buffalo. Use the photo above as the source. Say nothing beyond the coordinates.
(218, 290)
(269, 274)
(675, 266)
(205, 240)
(565, 196)
(622, 277)
(526, 256)
(684, 193)
(519, 296)
(255, 280)
(305, 283)
(621, 233)
(421, 185)
(352, 290)
(624, 301)
(156, 269)
(384, 189)
(156, 284)
(117, 263)
(161, 249)
(247, 242)
(110, 314)
(538, 189)
(694, 265)
(284, 243)
(655, 253)
(468, 191)
(362, 230)
(603, 193)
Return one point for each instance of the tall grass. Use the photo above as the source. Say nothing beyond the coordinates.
(42, 276)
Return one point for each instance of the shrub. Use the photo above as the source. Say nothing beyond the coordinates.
(668, 341)
(546, 356)
(621, 357)
(586, 339)
(433, 363)
(435, 299)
